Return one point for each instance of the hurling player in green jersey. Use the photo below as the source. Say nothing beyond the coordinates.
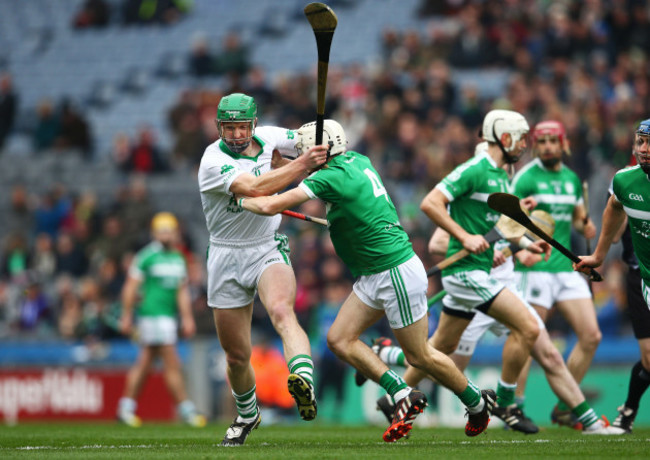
(159, 274)
(458, 204)
(558, 191)
(631, 198)
(392, 281)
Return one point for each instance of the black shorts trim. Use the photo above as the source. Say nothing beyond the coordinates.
(458, 313)
(638, 309)
(484, 307)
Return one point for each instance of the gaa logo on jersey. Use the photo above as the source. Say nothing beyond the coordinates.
(635, 197)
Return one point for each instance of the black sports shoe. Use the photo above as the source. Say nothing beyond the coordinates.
(514, 418)
(477, 423)
(406, 410)
(565, 418)
(376, 346)
(625, 418)
(238, 432)
(303, 393)
(386, 405)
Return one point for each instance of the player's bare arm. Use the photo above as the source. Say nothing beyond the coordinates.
(270, 205)
(129, 296)
(278, 179)
(439, 242)
(613, 218)
(184, 300)
(434, 206)
(582, 223)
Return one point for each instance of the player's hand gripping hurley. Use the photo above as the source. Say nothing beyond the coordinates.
(509, 205)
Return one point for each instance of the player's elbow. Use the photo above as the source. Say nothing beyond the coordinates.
(268, 208)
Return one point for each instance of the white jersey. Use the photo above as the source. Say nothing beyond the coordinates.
(220, 167)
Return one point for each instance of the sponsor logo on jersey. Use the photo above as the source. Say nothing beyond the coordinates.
(492, 183)
(275, 259)
(635, 197)
(543, 186)
(290, 134)
(569, 188)
(226, 168)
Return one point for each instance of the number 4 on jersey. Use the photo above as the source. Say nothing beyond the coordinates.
(377, 186)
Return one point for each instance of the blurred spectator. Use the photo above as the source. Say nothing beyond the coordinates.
(48, 127)
(8, 107)
(144, 155)
(43, 258)
(35, 312)
(93, 13)
(20, 216)
(233, 58)
(201, 61)
(154, 11)
(135, 211)
(190, 142)
(70, 259)
(51, 211)
(69, 308)
(75, 131)
(113, 243)
(15, 257)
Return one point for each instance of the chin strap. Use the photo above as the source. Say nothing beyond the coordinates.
(509, 158)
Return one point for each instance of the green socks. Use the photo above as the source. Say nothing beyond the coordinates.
(303, 366)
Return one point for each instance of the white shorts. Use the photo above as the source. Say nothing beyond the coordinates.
(401, 292)
(235, 270)
(481, 323)
(469, 292)
(157, 330)
(544, 289)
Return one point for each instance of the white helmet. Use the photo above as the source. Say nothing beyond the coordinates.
(497, 122)
(332, 132)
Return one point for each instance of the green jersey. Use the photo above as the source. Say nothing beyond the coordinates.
(467, 188)
(162, 273)
(558, 193)
(631, 187)
(362, 219)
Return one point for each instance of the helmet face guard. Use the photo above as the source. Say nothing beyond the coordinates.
(641, 137)
(236, 108)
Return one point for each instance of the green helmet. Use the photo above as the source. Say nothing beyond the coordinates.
(237, 108)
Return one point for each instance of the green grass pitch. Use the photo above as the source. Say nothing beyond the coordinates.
(305, 441)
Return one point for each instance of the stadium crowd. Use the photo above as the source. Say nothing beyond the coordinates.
(584, 63)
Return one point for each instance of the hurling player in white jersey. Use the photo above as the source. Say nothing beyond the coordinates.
(246, 255)
(558, 191)
(630, 197)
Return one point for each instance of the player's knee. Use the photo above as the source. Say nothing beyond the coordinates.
(282, 315)
(530, 331)
(237, 359)
(591, 340)
(336, 344)
(550, 358)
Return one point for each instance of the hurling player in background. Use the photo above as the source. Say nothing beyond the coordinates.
(247, 255)
(159, 274)
(558, 191)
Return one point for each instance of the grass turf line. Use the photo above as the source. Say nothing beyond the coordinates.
(152, 441)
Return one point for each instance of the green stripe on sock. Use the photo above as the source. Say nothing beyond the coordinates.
(471, 396)
(585, 414)
(505, 394)
(302, 365)
(392, 383)
(246, 403)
